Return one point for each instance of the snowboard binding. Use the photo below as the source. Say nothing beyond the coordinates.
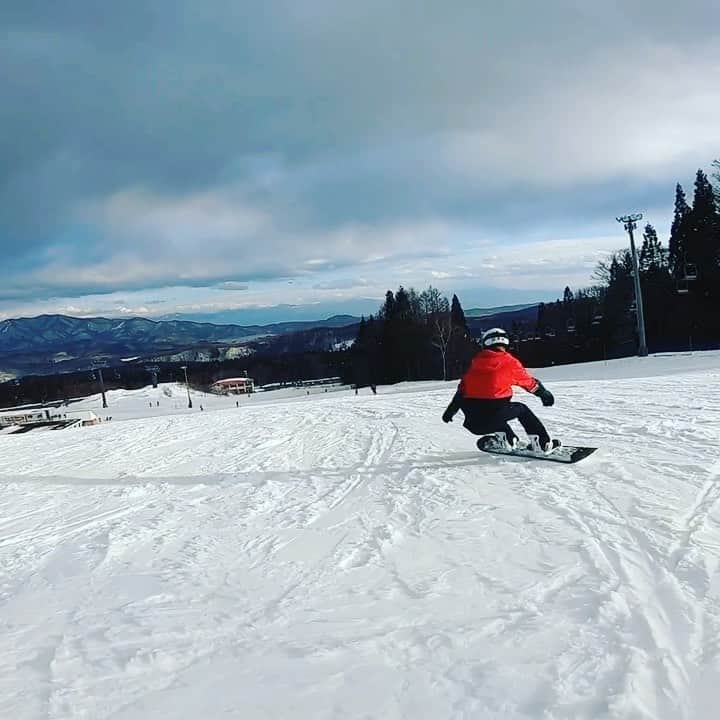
(497, 444)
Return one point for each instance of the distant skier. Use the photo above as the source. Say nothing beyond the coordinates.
(485, 396)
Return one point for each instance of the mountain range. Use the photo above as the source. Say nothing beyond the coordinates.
(485, 312)
(60, 343)
(49, 344)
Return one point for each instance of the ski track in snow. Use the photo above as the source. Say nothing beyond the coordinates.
(353, 557)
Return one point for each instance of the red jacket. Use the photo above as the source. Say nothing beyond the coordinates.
(492, 374)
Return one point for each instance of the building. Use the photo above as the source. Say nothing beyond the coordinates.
(23, 417)
(18, 422)
(80, 418)
(234, 386)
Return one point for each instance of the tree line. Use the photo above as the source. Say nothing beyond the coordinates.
(417, 336)
(414, 336)
(423, 335)
(285, 368)
(680, 287)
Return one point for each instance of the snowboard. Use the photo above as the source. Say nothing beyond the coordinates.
(564, 454)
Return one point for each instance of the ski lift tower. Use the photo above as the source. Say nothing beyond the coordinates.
(187, 386)
(97, 367)
(630, 223)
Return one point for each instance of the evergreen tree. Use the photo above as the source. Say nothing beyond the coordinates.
(652, 255)
(403, 311)
(568, 296)
(704, 237)
(677, 245)
(462, 345)
(402, 337)
(388, 309)
(657, 287)
(415, 304)
(618, 298)
(361, 336)
(365, 354)
(457, 314)
(541, 319)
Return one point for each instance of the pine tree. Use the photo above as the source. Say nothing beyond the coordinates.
(652, 254)
(677, 245)
(402, 305)
(704, 237)
(388, 309)
(361, 338)
(462, 347)
(541, 320)
(457, 315)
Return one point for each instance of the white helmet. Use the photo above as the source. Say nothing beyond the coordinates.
(494, 336)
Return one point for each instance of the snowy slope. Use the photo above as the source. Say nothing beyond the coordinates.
(342, 556)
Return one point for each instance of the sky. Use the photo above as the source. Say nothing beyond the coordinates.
(287, 160)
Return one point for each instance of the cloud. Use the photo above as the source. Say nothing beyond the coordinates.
(494, 273)
(232, 285)
(606, 124)
(213, 238)
(353, 283)
(166, 144)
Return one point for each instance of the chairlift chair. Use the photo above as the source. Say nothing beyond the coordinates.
(571, 326)
(690, 271)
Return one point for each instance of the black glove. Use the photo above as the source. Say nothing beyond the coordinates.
(453, 407)
(545, 395)
(448, 415)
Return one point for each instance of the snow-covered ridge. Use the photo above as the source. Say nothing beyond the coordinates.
(350, 556)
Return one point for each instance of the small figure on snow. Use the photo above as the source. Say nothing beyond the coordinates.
(485, 396)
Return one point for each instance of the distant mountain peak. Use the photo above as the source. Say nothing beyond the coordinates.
(482, 312)
(28, 343)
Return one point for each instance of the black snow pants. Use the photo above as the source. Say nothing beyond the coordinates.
(483, 417)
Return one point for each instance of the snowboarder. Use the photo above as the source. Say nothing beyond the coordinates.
(485, 396)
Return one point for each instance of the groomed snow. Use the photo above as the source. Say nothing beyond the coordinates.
(343, 556)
